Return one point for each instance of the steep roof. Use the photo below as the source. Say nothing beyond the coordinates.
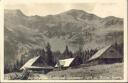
(65, 62)
(29, 62)
(106, 52)
(99, 53)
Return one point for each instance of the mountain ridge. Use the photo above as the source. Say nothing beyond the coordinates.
(70, 10)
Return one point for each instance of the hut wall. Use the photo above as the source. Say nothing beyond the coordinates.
(104, 61)
(110, 60)
(40, 63)
(76, 62)
(93, 62)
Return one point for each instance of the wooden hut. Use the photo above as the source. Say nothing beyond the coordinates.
(70, 62)
(106, 55)
(37, 64)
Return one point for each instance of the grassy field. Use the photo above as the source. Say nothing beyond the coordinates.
(98, 72)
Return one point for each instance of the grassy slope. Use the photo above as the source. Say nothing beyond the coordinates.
(99, 72)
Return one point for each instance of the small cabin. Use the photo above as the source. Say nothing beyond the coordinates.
(37, 64)
(106, 55)
(70, 62)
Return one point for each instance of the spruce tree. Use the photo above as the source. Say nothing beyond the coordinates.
(49, 55)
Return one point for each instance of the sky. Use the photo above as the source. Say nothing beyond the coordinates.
(44, 7)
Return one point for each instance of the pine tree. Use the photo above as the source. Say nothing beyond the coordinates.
(66, 50)
(66, 53)
(42, 52)
(49, 55)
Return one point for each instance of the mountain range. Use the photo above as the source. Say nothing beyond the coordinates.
(75, 28)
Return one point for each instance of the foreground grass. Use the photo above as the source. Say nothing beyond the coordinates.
(98, 72)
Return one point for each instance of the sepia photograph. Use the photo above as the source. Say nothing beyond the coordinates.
(64, 40)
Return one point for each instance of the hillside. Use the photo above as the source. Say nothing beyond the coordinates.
(73, 28)
(97, 72)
